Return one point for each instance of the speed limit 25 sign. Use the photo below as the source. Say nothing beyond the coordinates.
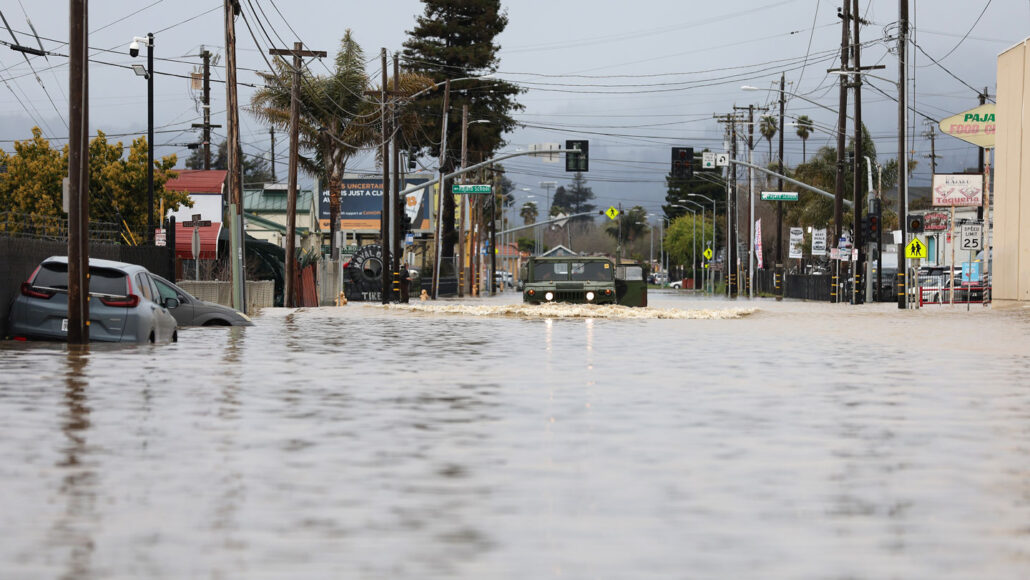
(971, 234)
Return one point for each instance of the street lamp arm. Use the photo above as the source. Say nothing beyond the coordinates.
(471, 168)
(790, 180)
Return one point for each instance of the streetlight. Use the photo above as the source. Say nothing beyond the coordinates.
(149, 75)
(693, 235)
(710, 273)
(695, 240)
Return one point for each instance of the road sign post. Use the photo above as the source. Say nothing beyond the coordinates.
(458, 189)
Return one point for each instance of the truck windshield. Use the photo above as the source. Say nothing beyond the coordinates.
(585, 271)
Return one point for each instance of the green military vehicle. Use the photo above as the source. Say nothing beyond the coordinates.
(583, 280)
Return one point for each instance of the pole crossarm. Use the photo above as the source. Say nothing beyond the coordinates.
(789, 180)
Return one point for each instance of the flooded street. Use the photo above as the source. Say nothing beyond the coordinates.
(709, 439)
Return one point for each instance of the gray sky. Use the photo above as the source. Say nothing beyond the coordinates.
(638, 87)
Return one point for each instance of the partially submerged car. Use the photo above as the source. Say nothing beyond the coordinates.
(193, 311)
(125, 304)
(583, 280)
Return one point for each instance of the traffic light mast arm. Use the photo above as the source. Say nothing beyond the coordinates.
(550, 221)
(471, 168)
(789, 180)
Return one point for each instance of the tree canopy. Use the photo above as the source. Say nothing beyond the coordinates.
(31, 184)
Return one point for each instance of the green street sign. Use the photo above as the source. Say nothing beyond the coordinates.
(779, 196)
(457, 188)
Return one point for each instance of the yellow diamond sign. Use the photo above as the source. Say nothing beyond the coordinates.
(915, 249)
(708, 254)
(612, 212)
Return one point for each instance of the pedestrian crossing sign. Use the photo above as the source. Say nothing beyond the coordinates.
(915, 249)
(612, 213)
(708, 254)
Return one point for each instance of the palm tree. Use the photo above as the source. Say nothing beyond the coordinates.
(336, 120)
(768, 129)
(529, 212)
(804, 132)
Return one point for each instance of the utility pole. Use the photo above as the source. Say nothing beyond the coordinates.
(751, 196)
(398, 204)
(856, 283)
(931, 134)
(233, 148)
(493, 232)
(440, 188)
(734, 234)
(842, 123)
(980, 167)
(207, 108)
(78, 174)
(206, 105)
(779, 204)
(384, 221)
(461, 213)
(271, 154)
(298, 53)
(902, 153)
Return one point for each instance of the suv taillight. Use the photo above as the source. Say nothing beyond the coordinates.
(28, 290)
(130, 300)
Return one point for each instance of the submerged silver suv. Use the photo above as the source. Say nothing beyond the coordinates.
(125, 304)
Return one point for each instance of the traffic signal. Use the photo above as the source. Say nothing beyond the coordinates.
(405, 224)
(577, 161)
(865, 227)
(874, 228)
(915, 224)
(683, 162)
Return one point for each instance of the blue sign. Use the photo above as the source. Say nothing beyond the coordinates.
(970, 273)
(361, 204)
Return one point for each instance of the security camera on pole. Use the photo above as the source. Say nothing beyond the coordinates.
(149, 74)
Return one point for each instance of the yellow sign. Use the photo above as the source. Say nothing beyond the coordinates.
(612, 212)
(915, 249)
(708, 254)
(976, 126)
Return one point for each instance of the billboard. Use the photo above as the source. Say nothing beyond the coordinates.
(361, 204)
(958, 189)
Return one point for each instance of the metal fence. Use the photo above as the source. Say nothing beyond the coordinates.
(48, 227)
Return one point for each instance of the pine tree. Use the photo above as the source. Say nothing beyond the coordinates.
(455, 39)
(574, 199)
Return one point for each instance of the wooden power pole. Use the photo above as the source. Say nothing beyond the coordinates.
(78, 174)
(206, 105)
(233, 148)
(298, 52)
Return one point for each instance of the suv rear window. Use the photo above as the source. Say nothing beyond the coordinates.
(101, 280)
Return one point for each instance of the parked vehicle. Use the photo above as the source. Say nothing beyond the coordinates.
(192, 311)
(504, 279)
(676, 284)
(125, 305)
(584, 280)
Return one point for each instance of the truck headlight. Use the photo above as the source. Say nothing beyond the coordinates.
(590, 296)
(549, 296)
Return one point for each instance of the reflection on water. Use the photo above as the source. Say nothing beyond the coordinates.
(697, 438)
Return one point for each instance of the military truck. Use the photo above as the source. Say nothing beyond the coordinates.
(583, 280)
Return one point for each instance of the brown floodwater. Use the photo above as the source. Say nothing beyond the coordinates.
(700, 438)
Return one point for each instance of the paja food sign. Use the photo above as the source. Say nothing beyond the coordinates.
(976, 126)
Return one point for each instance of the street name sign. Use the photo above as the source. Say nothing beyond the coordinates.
(196, 223)
(976, 126)
(612, 212)
(971, 237)
(915, 249)
(779, 196)
(458, 188)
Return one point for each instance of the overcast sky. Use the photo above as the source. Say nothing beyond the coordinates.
(635, 78)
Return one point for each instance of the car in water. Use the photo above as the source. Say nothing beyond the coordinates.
(193, 311)
(125, 304)
(583, 280)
